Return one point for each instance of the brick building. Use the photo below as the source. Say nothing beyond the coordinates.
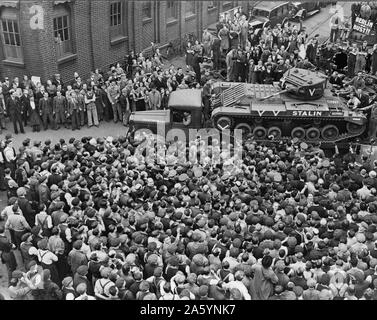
(44, 37)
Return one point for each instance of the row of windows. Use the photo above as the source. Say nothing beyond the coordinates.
(62, 26)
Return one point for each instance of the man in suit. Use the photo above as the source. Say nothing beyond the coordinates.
(25, 102)
(59, 109)
(15, 111)
(25, 206)
(45, 107)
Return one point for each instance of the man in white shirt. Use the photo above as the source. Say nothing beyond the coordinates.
(8, 210)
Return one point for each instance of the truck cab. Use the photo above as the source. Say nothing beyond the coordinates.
(182, 103)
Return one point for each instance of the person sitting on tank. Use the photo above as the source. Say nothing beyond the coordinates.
(305, 64)
(353, 102)
(363, 97)
(344, 92)
(357, 81)
(336, 80)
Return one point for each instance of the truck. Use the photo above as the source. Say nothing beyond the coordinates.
(180, 102)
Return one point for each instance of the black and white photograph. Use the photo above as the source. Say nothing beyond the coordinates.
(210, 152)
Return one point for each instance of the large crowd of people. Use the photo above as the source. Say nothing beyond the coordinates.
(262, 55)
(91, 219)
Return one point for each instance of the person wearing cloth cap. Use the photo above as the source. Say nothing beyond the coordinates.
(264, 279)
(102, 286)
(69, 292)
(311, 293)
(25, 245)
(76, 257)
(81, 277)
(19, 290)
(238, 284)
(81, 291)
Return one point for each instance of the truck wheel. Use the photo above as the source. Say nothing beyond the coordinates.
(298, 133)
(274, 131)
(353, 128)
(246, 128)
(330, 132)
(260, 132)
(313, 134)
(223, 123)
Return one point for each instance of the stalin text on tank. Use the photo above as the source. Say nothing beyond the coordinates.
(299, 106)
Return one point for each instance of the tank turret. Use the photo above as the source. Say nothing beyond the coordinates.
(303, 84)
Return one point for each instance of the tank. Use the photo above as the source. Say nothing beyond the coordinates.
(299, 106)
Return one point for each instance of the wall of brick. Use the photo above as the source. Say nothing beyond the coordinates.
(163, 25)
(104, 51)
(138, 26)
(91, 34)
(81, 35)
(38, 53)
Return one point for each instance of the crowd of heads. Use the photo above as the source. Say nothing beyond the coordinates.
(94, 220)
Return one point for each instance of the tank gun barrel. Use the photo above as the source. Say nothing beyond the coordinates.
(273, 95)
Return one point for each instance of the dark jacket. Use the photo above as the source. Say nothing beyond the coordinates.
(27, 211)
(45, 106)
(14, 107)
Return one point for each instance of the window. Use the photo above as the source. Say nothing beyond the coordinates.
(11, 37)
(116, 19)
(190, 8)
(172, 10)
(181, 116)
(62, 31)
(273, 14)
(147, 10)
(212, 5)
(115, 14)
